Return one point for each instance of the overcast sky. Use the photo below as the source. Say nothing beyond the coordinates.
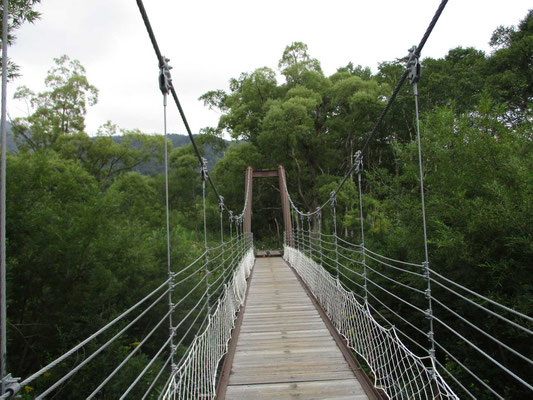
(209, 42)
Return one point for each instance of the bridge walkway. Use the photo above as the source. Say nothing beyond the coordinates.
(284, 349)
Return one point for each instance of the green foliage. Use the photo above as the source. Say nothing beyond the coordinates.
(20, 11)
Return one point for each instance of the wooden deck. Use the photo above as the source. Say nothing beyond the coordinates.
(284, 350)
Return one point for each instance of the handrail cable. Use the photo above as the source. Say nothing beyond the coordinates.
(48, 367)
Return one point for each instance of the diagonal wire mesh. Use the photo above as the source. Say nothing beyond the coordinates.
(397, 371)
(195, 376)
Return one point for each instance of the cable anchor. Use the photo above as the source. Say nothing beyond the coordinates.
(413, 65)
(165, 80)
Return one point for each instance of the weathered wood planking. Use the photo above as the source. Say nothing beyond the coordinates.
(285, 350)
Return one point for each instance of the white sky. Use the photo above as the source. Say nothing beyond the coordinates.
(209, 42)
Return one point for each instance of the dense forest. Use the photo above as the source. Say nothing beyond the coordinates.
(86, 225)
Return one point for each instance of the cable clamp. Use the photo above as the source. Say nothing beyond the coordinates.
(165, 80)
(428, 314)
(333, 197)
(174, 367)
(11, 385)
(358, 161)
(413, 65)
(221, 203)
(173, 348)
(430, 336)
(203, 168)
(425, 264)
(427, 293)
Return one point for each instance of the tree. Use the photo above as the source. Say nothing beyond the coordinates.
(58, 111)
(295, 63)
(510, 70)
(105, 157)
(244, 107)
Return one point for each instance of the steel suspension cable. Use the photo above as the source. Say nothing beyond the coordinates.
(90, 338)
(3, 289)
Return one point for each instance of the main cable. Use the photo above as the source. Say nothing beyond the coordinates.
(162, 62)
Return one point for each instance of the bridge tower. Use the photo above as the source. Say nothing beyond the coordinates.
(285, 208)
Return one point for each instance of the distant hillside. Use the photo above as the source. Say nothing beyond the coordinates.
(151, 168)
(177, 140)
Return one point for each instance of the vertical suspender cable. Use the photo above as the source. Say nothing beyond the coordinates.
(208, 287)
(310, 237)
(164, 85)
(414, 76)
(231, 244)
(334, 212)
(3, 312)
(221, 207)
(359, 160)
(319, 215)
(302, 233)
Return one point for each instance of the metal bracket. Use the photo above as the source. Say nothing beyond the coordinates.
(11, 386)
(413, 65)
(165, 80)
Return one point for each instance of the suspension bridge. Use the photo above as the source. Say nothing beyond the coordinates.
(330, 319)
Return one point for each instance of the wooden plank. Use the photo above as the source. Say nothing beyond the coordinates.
(284, 350)
(336, 390)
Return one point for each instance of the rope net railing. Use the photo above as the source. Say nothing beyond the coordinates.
(196, 375)
(380, 306)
